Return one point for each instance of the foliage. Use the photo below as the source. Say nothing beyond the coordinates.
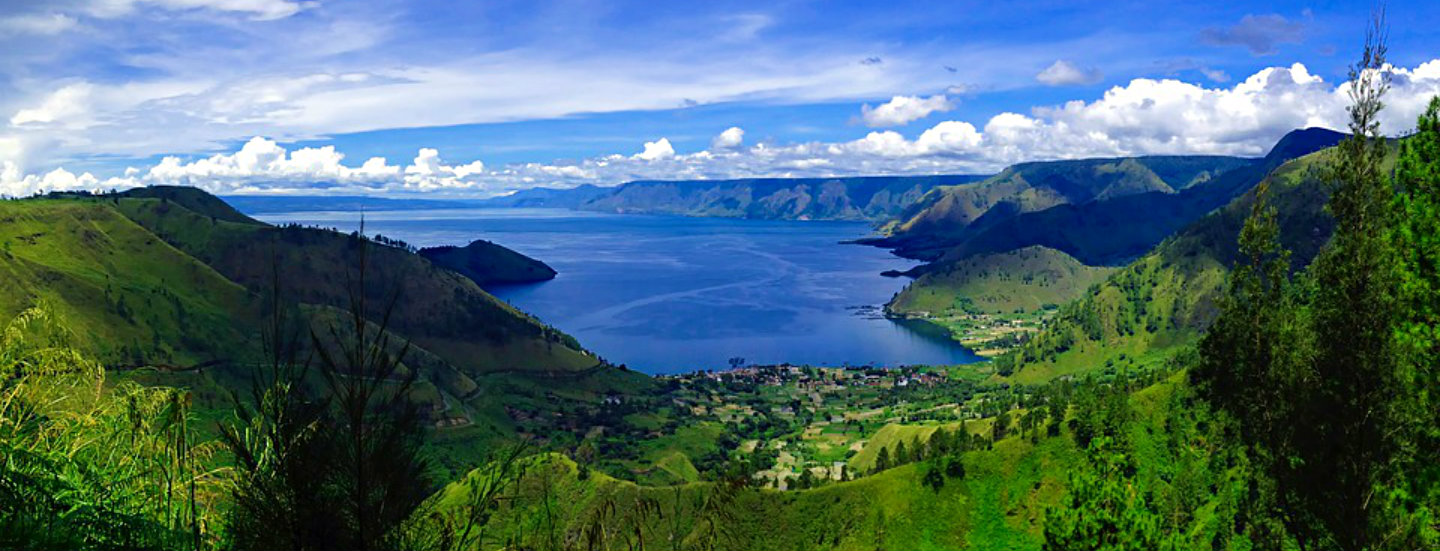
(83, 466)
(1416, 237)
(1321, 376)
(1107, 508)
(341, 470)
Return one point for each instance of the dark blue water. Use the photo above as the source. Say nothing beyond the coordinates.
(665, 294)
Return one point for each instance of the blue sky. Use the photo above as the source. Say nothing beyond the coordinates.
(479, 98)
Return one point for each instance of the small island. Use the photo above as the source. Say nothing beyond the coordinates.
(487, 264)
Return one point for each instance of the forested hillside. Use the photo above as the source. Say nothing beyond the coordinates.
(1165, 299)
(946, 216)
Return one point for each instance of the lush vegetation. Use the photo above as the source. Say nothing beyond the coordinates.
(992, 303)
(176, 375)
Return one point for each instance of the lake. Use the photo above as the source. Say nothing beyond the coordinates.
(667, 294)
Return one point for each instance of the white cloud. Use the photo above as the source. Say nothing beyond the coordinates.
(656, 150)
(44, 24)
(1065, 73)
(256, 9)
(902, 110)
(69, 102)
(15, 184)
(1145, 116)
(729, 139)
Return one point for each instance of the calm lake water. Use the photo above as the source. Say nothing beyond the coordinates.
(666, 294)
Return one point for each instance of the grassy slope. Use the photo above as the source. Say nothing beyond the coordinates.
(999, 504)
(1024, 279)
(890, 436)
(130, 296)
(143, 279)
(1166, 298)
(443, 312)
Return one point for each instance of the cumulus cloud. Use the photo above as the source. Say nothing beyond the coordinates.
(264, 165)
(729, 139)
(69, 102)
(13, 183)
(656, 150)
(1257, 33)
(1145, 116)
(902, 110)
(1065, 73)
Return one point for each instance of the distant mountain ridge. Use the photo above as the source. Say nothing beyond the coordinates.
(946, 216)
(1100, 211)
(870, 198)
(546, 197)
(849, 198)
(1107, 232)
(270, 204)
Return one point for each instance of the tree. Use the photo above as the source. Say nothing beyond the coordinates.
(1002, 426)
(1416, 236)
(1251, 359)
(806, 480)
(340, 468)
(882, 460)
(1326, 378)
(955, 467)
(1106, 507)
(933, 478)
(1349, 444)
(276, 439)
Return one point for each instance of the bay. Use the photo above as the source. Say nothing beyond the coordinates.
(667, 294)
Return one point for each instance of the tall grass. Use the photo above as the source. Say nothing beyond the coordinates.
(87, 465)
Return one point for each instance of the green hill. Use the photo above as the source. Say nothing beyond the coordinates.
(193, 199)
(1166, 298)
(998, 505)
(1027, 279)
(174, 281)
(1100, 211)
(136, 299)
(998, 502)
(441, 311)
(1120, 229)
(945, 215)
(486, 263)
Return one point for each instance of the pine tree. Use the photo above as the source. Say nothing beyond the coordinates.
(1347, 441)
(1328, 378)
(1106, 510)
(1416, 237)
